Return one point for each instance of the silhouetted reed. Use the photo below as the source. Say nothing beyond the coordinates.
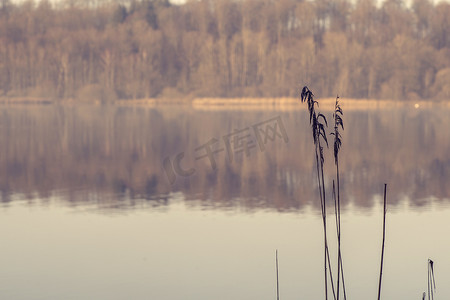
(431, 281)
(382, 246)
(337, 116)
(318, 123)
(278, 285)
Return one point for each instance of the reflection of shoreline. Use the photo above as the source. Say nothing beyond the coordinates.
(281, 104)
(293, 104)
(120, 150)
(26, 100)
(112, 201)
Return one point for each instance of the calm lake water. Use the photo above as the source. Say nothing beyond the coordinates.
(113, 202)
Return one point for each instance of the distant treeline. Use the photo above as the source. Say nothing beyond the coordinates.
(108, 50)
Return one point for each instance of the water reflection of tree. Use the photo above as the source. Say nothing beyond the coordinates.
(88, 154)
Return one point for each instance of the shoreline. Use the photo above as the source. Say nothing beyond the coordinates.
(209, 103)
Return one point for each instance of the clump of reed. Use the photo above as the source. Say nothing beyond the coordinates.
(319, 124)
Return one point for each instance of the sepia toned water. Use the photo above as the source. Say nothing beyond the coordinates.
(116, 202)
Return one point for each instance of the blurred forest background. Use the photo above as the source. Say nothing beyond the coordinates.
(133, 49)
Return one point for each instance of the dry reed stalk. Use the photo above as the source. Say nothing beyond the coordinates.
(382, 247)
(278, 286)
(318, 123)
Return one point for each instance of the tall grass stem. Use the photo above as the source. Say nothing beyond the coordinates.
(278, 285)
(382, 247)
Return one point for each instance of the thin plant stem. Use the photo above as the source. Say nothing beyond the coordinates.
(337, 115)
(278, 286)
(337, 232)
(322, 210)
(428, 267)
(324, 218)
(431, 281)
(331, 273)
(343, 280)
(382, 247)
(338, 226)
